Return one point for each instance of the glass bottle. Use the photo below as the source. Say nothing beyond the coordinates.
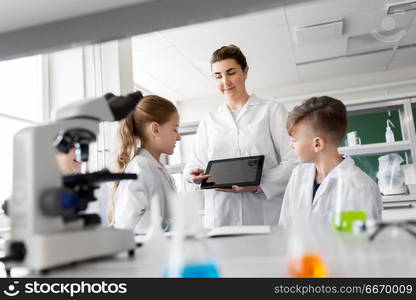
(304, 257)
(189, 256)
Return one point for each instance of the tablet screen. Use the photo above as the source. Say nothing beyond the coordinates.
(242, 171)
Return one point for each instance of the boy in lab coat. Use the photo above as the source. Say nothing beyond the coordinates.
(325, 182)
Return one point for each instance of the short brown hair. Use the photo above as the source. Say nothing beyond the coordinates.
(230, 51)
(326, 115)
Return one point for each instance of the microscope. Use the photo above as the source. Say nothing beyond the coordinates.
(49, 226)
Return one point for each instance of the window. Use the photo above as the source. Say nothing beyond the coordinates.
(21, 106)
(21, 88)
(177, 161)
(9, 128)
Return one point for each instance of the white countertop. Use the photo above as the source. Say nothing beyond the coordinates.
(266, 256)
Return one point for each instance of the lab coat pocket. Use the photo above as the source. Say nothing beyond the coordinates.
(259, 139)
(322, 217)
(328, 217)
(222, 144)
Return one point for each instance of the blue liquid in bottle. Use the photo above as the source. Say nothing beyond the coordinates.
(189, 257)
(207, 270)
(194, 270)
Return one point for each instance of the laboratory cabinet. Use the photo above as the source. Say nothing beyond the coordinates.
(369, 121)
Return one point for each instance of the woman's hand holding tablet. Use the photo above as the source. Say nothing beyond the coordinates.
(239, 189)
(240, 174)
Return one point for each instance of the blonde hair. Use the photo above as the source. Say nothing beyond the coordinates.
(151, 108)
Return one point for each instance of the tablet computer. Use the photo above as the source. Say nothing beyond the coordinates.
(241, 171)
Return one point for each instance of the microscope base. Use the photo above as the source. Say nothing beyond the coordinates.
(45, 251)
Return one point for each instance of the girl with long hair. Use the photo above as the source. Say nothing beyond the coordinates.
(154, 126)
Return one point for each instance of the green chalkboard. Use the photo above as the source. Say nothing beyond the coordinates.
(414, 112)
(371, 128)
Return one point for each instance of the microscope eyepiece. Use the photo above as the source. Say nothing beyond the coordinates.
(79, 138)
(122, 106)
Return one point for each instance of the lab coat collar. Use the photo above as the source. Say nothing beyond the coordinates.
(329, 179)
(160, 166)
(143, 152)
(346, 163)
(252, 100)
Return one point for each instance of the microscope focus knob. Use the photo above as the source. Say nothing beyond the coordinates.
(59, 202)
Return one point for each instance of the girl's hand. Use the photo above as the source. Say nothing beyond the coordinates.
(239, 189)
(198, 175)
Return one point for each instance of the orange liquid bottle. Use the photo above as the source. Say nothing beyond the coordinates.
(309, 265)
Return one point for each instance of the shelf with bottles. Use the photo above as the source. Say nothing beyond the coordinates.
(398, 198)
(375, 148)
(375, 136)
(376, 129)
(380, 126)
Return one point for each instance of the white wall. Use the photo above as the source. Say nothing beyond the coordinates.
(117, 78)
(362, 87)
(348, 89)
(194, 110)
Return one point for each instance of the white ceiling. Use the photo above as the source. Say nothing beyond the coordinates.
(174, 63)
(18, 14)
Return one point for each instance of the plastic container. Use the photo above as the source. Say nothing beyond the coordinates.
(390, 175)
(389, 133)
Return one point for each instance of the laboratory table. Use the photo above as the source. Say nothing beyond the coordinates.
(391, 254)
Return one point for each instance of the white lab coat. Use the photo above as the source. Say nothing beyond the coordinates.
(346, 181)
(133, 197)
(260, 129)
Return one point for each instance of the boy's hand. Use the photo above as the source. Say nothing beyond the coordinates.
(239, 189)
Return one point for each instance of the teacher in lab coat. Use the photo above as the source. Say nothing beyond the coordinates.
(244, 125)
